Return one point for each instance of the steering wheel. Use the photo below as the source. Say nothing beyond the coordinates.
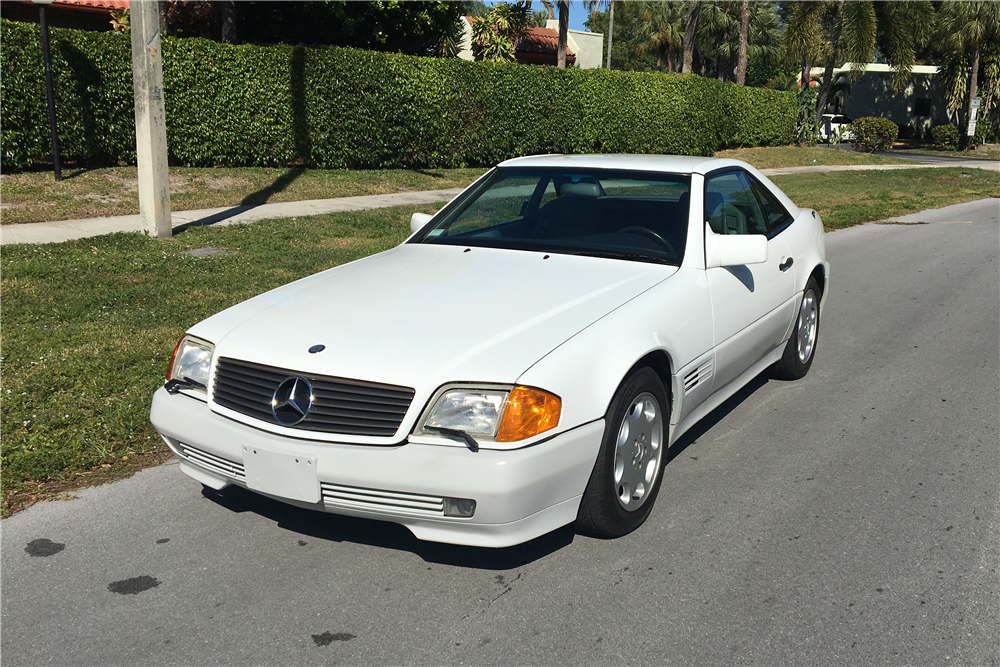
(651, 235)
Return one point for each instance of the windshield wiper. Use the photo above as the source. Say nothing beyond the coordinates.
(176, 385)
(470, 442)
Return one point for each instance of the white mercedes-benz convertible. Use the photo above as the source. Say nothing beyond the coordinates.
(523, 361)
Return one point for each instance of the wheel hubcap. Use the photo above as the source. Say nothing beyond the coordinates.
(808, 319)
(638, 451)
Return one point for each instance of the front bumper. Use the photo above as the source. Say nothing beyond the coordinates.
(520, 494)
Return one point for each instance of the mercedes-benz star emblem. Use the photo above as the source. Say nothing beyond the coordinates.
(292, 400)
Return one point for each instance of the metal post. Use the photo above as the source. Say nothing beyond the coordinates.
(611, 29)
(46, 55)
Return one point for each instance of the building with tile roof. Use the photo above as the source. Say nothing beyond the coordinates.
(541, 46)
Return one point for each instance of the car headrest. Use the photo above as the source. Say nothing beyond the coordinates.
(713, 200)
(592, 190)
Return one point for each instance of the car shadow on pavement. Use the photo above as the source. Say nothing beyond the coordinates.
(386, 535)
(715, 416)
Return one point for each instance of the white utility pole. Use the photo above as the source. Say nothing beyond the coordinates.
(150, 119)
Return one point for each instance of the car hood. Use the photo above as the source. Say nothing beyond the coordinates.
(422, 315)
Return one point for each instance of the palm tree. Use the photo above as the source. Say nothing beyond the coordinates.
(691, 25)
(837, 30)
(965, 27)
(741, 57)
(663, 30)
(718, 35)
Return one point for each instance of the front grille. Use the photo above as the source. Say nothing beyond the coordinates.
(354, 497)
(212, 462)
(349, 407)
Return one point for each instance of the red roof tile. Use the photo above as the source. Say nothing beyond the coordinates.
(92, 5)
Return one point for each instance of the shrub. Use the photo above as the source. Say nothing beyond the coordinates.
(874, 134)
(985, 132)
(945, 136)
(333, 107)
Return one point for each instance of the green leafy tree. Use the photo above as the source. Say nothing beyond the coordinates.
(415, 28)
(718, 36)
(835, 31)
(630, 34)
(969, 46)
(495, 36)
(662, 32)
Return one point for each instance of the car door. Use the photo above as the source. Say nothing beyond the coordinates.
(751, 303)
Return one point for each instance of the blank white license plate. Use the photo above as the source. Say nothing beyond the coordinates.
(285, 475)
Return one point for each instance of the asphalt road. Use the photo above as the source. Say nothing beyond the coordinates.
(850, 517)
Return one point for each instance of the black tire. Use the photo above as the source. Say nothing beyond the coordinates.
(601, 512)
(791, 366)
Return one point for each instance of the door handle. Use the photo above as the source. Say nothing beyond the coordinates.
(787, 264)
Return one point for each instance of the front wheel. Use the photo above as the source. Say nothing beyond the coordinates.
(626, 476)
(801, 347)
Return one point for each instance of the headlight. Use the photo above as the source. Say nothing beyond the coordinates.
(502, 414)
(475, 411)
(192, 361)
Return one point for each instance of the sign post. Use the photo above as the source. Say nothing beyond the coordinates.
(973, 112)
(150, 119)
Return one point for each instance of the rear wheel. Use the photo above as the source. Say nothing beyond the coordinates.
(801, 347)
(626, 476)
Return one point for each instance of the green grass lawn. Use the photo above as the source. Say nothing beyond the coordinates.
(845, 198)
(89, 325)
(777, 157)
(37, 197)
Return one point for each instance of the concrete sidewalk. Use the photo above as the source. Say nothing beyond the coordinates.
(65, 230)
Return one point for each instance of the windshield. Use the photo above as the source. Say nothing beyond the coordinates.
(632, 215)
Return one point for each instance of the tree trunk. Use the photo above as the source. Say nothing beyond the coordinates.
(720, 68)
(824, 91)
(741, 58)
(689, 28)
(670, 60)
(804, 77)
(228, 10)
(563, 29)
(973, 81)
(611, 27)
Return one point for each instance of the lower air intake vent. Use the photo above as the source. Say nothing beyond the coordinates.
(354, 497)
(212, 462)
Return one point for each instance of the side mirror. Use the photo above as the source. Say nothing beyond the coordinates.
(418, 220)
(737, 249)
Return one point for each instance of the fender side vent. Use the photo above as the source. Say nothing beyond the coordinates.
(698, 376)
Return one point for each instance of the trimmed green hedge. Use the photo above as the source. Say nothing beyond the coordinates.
(333, 107)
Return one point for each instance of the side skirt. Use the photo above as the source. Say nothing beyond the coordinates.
(724, 393)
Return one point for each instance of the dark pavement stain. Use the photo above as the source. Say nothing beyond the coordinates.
(328, 638)
(133, 586)
(43, 548)
(302, 543)
(163, 540)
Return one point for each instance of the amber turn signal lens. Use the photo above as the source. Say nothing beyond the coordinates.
(528, 412)
(170, 368)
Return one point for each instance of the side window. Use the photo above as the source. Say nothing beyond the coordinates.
(731, 207)
(775, 214)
